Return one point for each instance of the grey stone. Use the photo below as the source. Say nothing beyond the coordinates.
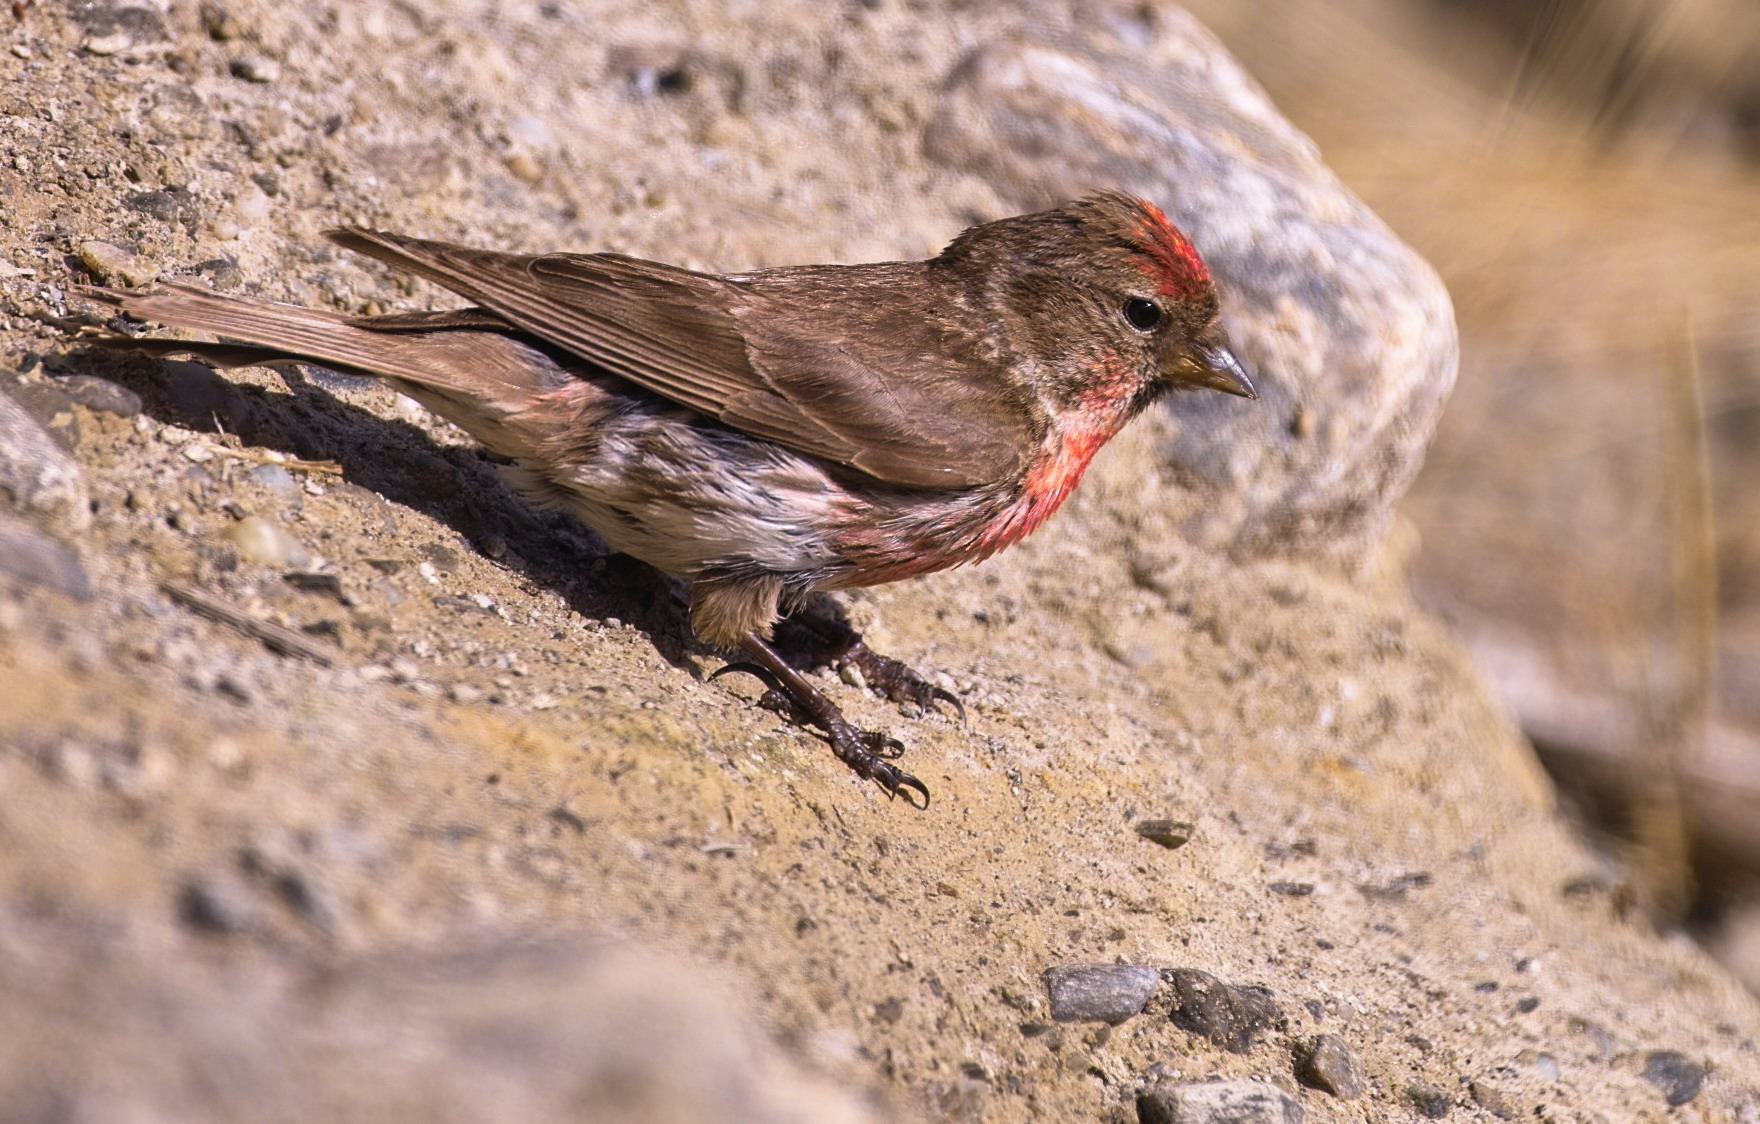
(115, 17)
(1678, 1076)
(255, 68)
(95, 393)
(220, 904)
(1172, 834)
(52, 408)
(36, 473)
(1231, 1016)
(1431, 1101)
(169, 205)
(1492, 1099)
(110, 263)
(30, 558)
(1349, 334)
(1099, 993)
(1326, 1062)
(1218, 1102)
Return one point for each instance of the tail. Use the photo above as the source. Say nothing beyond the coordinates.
(467, 366)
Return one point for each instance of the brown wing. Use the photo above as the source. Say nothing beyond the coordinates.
(879, 353)
(805, 362)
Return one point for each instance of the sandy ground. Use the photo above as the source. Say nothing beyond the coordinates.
(235, 880)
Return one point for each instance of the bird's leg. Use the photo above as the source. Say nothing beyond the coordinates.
(830, 640)
(864, 751)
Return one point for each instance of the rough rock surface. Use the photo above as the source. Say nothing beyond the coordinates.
(510, 734)
(36, 474)
(486, 1032)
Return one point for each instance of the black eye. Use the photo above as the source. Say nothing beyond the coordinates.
(1142, 314)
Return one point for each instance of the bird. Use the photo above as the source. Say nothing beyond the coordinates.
(770, 435)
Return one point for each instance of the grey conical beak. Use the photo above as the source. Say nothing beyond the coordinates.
(1222, 371)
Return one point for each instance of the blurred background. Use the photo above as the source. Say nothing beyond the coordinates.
(1585, 174)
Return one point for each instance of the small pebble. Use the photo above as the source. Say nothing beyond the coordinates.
(405, 408)
(263, 540)
(99, 394)
(1492, 1100)
(277, 481)
(1230, 1016)
(1602, 1043)
(317, 582)
(1543, 1065)
(169, 205)
(1678, 1076)
(464, 693)
(233, 687)
(523, 167)
(530, 132)
(1217, 1102)
(1431, 1102)
(1172, 834)
(255, 68)
(1099, 993)
(220, 905)
(1326, 1063)
(107, 45)
(109, 262)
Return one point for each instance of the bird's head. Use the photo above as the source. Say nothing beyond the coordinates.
(1107, 301)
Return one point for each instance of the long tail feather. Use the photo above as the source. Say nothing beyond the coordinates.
(481, 380)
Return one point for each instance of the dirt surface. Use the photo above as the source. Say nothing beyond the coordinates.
(514, 740)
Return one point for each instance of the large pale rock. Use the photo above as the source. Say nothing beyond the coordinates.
(1350, 335)
(504, 1031)
(36, 474)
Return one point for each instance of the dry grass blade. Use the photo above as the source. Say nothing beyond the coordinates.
(1681, 699)
(274, 637)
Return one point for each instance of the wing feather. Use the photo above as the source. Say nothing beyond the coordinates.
(808, 358)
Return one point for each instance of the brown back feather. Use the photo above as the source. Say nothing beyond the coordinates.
(805, 358)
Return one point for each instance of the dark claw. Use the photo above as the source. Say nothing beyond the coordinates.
(936, 694)
(906, 781)
(881, 745)
(895, 780)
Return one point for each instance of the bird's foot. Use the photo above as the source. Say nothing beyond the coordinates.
(897, 680)
(867, 752)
